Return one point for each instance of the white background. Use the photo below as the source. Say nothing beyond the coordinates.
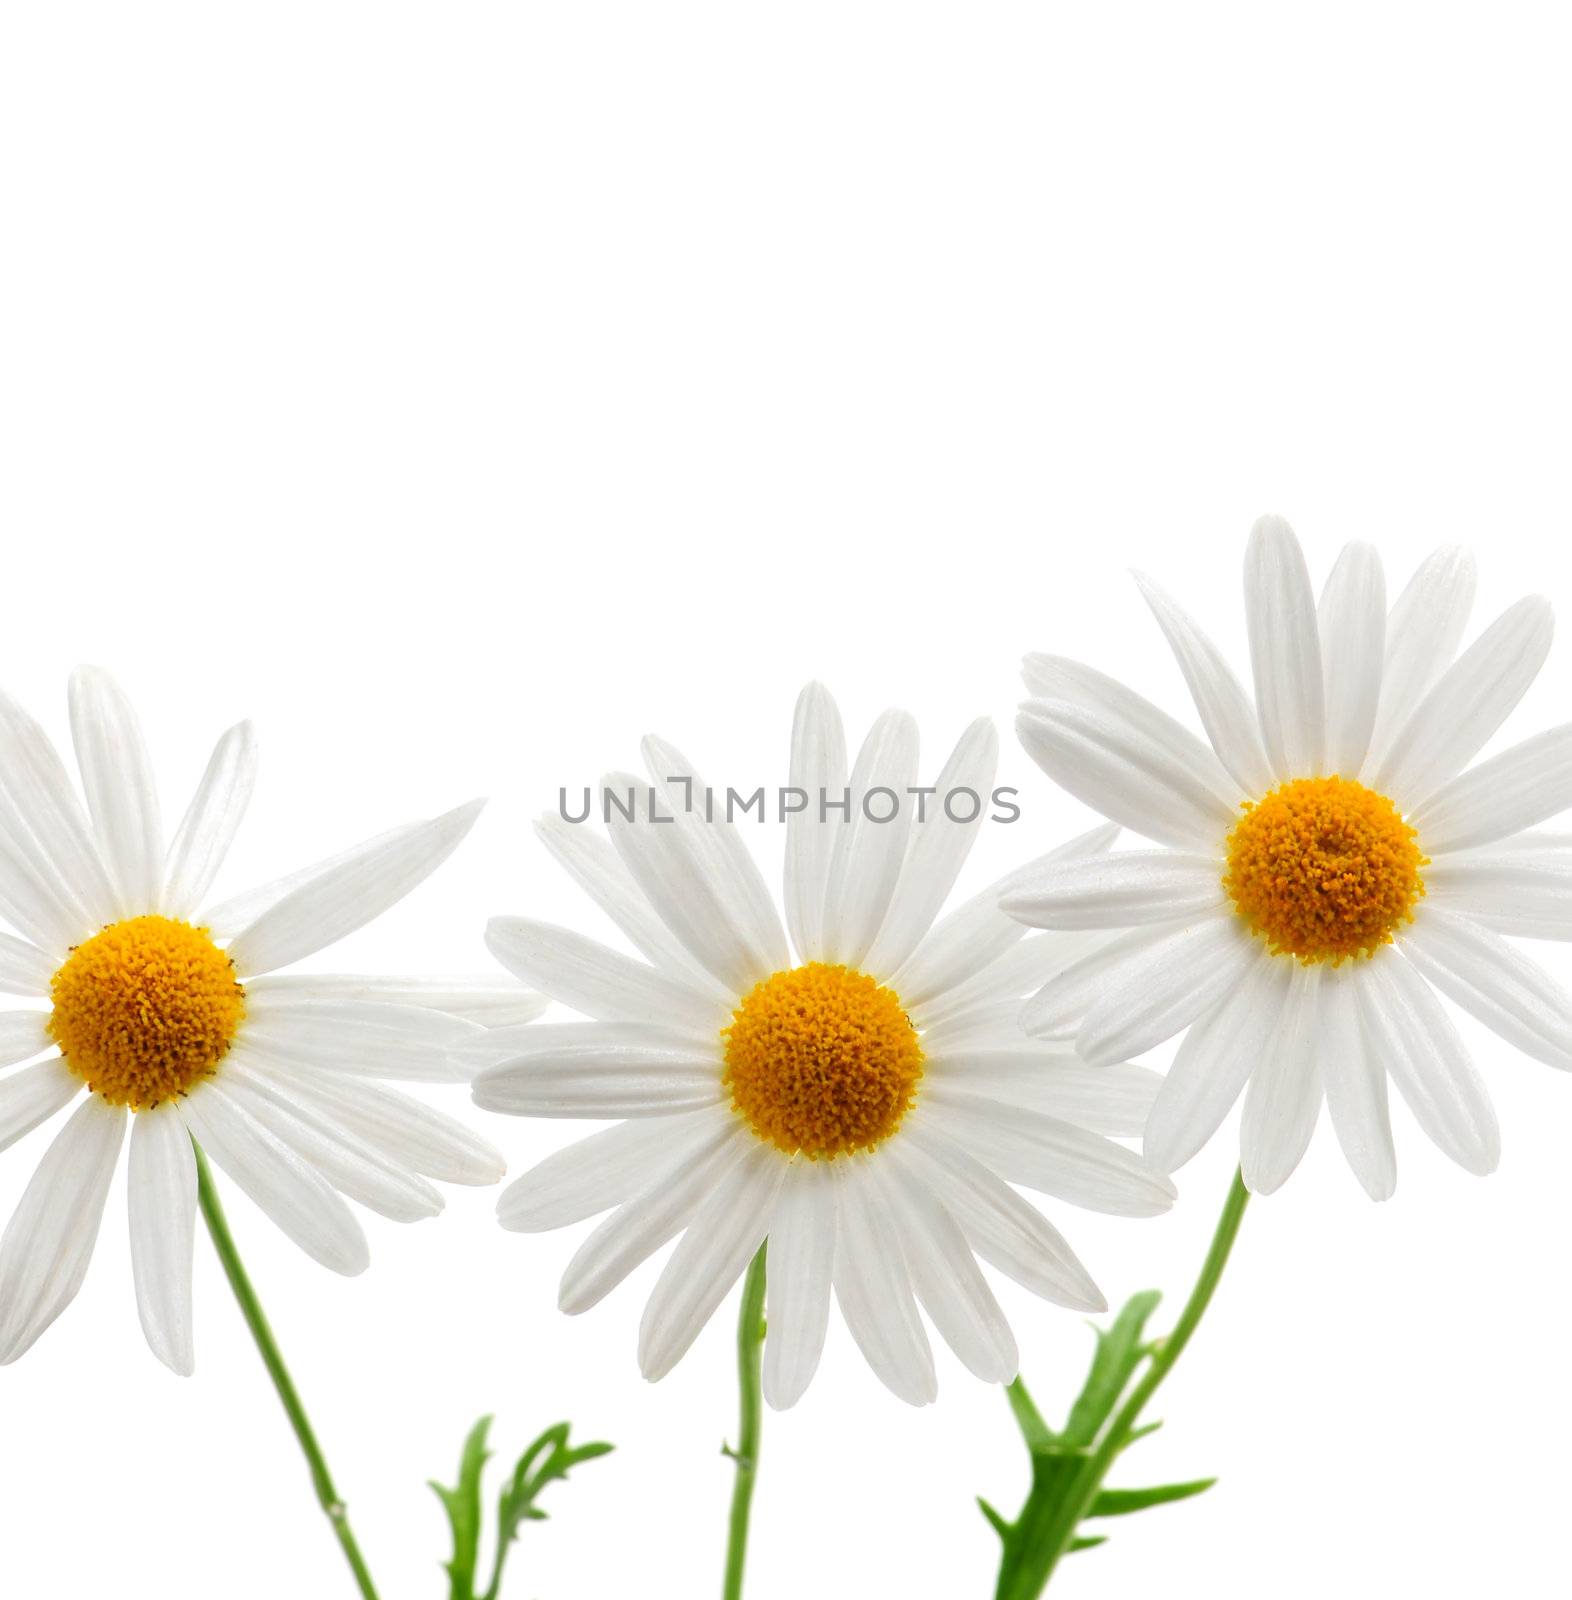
(462, 391)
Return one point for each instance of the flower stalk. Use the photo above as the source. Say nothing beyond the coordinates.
(750, 1352)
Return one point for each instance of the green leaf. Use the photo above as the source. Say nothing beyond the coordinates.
(548, 1458)
(1091, 1543)
(1037, 1434)
(1121, 1502)
(1120, 1351)
(462, 1504)
(995, 1521)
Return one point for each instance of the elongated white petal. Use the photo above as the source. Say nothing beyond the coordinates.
(721, 1238)
(1422, 635)
(1178, 981)
(49, 1240)
(34, 1095)
(161, 1186)
(362, 1037)
(602, 1069)
(797, 1283)
(24, 968)
(1406, 1027)
(1118, 891)
(594, 1174)
(641, 1225)
(977, 933)
(1466, 705)
(941, 840)
(412, 1133)
(23, 1034)
(1514, 893)
(40, 810)
(121, 795)
(948, 1283)
(718, 848)
(1024, 968)
(1502, 796)
(211, 821)
(1285, 650)
(865, 864)
(1355, 1082)
(873, 1289)
(1007, 1231)
(1284, 1097)
(599, 982)
(299, 1201)
(817, 771)
(1052, 1156)
(489, 1002)
(1352, 617)
(348, 896)
(1481, 972)
(34, 900)
(1213, 1064)
(1114, 1100)
(1225, 709)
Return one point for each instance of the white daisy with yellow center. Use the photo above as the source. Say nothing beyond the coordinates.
(1328, 860)
(861, 1098)
(170, 1015)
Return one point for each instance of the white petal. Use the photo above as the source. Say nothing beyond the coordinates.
(118, 779)
(1118, 891)
(1225, 709)
(300, 1202)
(1214, 1062)
(1466, 705)
(977, 933)
(1023, 969)
(1499, 797)
(34, 1095)
(1114, 1100)
(594, 1174)
(640, 1226)
(1178, 981)
(363, 1037)
(601, 983)
(1285, 650)
(722, 1237)
(1123, 756)
(1284, 1098)
(1355, 1083)
(1422, 635)
(488, 1002)
(800, 1269)
(1406, 1027)
(602, 1069)
(24, 968)
(34, 899)
(23, 1034)
(818, 769)
(348, 896)
(873, 1289)
(1044, 1153)
(939, 846)
(1008, 1232)
(162, 1194)
(1510, 994)
(1516, 893)
(1352, 617)
(208, 828)
(49, 1240)
(865, 864)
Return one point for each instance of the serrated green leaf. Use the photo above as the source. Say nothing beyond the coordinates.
(1119, 1352)
(462, 1505)
(1121, 1502)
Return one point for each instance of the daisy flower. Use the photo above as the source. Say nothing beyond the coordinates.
(155, 1011)
(1327, 865)
(861, 1096)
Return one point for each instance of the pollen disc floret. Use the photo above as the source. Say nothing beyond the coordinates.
(822, 1060)
(1324, 869)
(145, 1009)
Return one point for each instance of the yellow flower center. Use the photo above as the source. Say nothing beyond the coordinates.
(1324, 869)
(145, 1009)
(821, 1060)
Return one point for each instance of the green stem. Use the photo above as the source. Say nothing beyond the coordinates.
(1045, 1542)
(750, 1350)
(267, 1347)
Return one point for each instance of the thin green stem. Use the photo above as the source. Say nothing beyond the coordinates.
(750, 1351)
(267, 1347)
